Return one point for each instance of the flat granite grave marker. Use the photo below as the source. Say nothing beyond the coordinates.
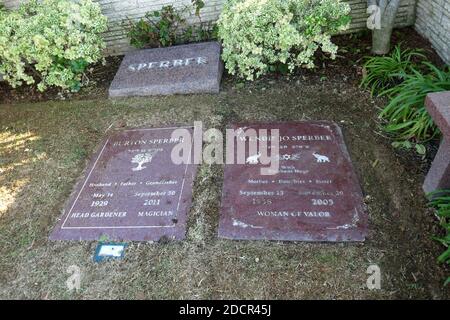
(315, 196)
(191, 68)
(131, 191)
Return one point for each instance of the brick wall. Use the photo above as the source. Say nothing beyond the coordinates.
(433, 22)
(118, 10)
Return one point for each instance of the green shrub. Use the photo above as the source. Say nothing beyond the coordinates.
(405, 114)
(259, 35)
(441, 202)
(50, 42)
(2, 11)
(168, 26)
(383, 72)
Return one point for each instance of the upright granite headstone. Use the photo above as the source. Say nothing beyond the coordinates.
(191, 68)
(315, 196)
(131, 191)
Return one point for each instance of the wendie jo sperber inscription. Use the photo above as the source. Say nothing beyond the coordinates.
(315, 196)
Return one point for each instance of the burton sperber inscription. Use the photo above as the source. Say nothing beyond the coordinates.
(315, 196)
(191, 68)
(131, 191)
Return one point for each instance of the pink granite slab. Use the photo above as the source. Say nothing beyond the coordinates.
(314, 197)
(181, 69)
(131, 190)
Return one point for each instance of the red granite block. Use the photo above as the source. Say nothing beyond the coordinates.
(131, 190)
(315, 196)
(438, 106)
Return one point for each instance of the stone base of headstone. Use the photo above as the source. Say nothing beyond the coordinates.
(439, 175)
(182, 69)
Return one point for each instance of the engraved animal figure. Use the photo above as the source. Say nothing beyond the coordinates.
(320, 158)
(142, 158)
(254, 158)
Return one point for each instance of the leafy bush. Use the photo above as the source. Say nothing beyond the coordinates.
(50, 42)
(259, 35)
(441, 202)
(406, 82)
(2, 10)
(168, 26)
(383, 72)
(406, 115)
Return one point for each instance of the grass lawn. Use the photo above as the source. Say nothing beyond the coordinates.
(45, 146)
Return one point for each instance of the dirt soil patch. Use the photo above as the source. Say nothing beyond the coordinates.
(45, 146)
